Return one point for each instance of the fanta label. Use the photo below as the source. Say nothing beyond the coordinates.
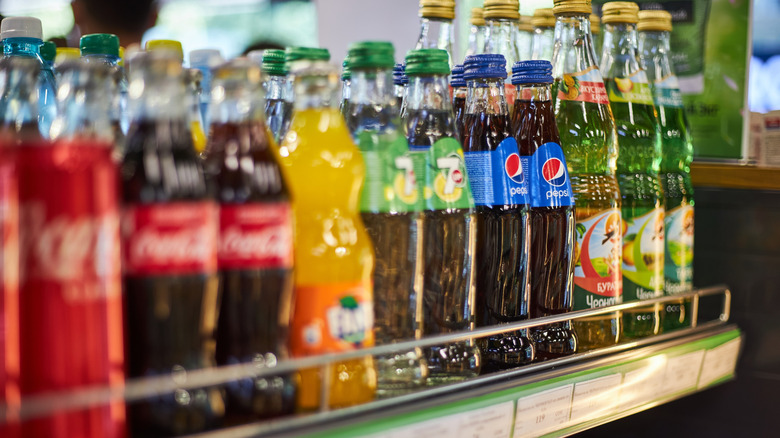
(548, 177)
(678, 265)
(666, 92)
(583, 86)
(643, 252)
(446, 184)
(632, 89)
(391, 181)
(255, 236)
(597, 276)
(497, 177)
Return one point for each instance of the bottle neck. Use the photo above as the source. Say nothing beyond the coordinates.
(235, 102)
(460, 92)
(316, 92)
(161, 99)
(346, 89)
(654, 48)
(428, 93)
(619, 56)
(501, 38)
(374, 105)
(87, 108)
(436, 33)
(22, 47)
(100, 57)
(535, 93)
(573, 48)
(276, 88)
(542, 43)
(486, 96)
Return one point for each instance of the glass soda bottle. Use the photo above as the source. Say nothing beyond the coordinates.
(590, 146)
(677, 153)
(346, 87)
(459, 92)
(70, 300)
(524, 39)
(193, 79)
(551, 213)
(449, 232)
(22, 37)
(400, 87)
(639, 137)
(501, 21)
(390, 206)
(501, 196)
(544, 34)
(436, 28)
(205, 60)
(255, 250)
(278, 98)
(169, 236)
(476, 42)
(293, 54)
(595, 31)
(333, 297)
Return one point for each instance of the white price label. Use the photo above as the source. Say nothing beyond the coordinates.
(595, 398)
(544, 412)
(719, 362)
(641, 385)
(489, 422)
(443, 427)
(682, 372)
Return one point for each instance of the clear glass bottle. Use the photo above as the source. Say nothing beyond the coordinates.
(595, 31)
(205, 60)
(278, 94)
(544, 34)
(436, 28)
(400, 87)
(524, 39)
(476, 32)
(459, 93)
(193, 79)
(346, 87)
(501, 31)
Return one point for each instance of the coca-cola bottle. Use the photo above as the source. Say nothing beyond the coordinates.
(255, 241)
(169, 232)
(70, 290)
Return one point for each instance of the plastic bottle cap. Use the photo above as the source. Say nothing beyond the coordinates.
(620, 12)
(658, 20)
(525, 24)
(423, 62)
(166, 45)
(457, 79)
(484, 66)
(543, 18)
(206, 58)
(346, 72)
(21, 27)
(121, 62)
(437, 9)
(532, 72)
(306, 53)
(371, 55)
(595, 24)
(477, 17)
(572, 7)
(506, 9)
(272, 61)
(99, 44)
(66, 54)
(48, 51)
(399, 74)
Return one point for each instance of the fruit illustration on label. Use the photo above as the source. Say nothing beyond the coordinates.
(624, 84)
(570, 87)
(599, 255)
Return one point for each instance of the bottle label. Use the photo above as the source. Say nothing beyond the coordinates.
(391, 181)
(255, 236)
(597, 276)
(584, 86)
(170, 239)
(678, 268)
(643, 252)
(497, 177)
(548, 177)
(445, 185)
(666, 92)
(633, 89)
(331, 318)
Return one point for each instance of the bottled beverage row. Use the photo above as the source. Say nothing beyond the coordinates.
(135, 246)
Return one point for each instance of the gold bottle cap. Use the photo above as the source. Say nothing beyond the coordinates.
(595, 24)
(525, 24)
(437, 9)
(477, 17)
(507, 9)
(561, 7)
(543, 17)
(620, 12)
(655, 21)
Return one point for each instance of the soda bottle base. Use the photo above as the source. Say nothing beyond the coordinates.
(593, 333)
(350, 383)
(640, 323)
(453, 363)
(400, 373)
(676, 315)
(505, 351)
(264, 397)
(178, 413)
(553, 341)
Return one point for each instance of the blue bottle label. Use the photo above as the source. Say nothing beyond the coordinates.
(498, 177)
(548, 178)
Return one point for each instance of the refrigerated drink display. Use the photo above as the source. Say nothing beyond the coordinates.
(677, 153)
(639, 137)
(459, 91)
(278, 94)
(551, 213)
(104, 48)
(449, 234)
(255, 250)
(501, 21)
(524, 39)
(70, 297)
(390, 206)
(476, 41)
(501, 195)
(595, 31)
(22, 37)
(346, 86)
(436, 28)
(205, 60)
(544, 34)
(169, 235)
(333, 298)
(590, 146)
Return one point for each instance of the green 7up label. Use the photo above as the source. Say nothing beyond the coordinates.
(446, 184)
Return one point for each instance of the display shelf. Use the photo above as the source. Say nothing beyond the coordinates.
(735, 176)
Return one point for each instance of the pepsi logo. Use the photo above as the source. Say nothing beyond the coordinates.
(514, 168)
(553, 172)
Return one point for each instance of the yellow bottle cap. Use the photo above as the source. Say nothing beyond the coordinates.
(506, 9)
(121, 56)
(166, 45)
(543, 18)
(572, 7)
(620, 12)
(477, 17)
(437, 9)
(655, 21)
(66, 54)
(525, 23)
(595, 24)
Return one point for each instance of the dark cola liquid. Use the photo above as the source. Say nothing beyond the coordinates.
(278, 114)
(169, 319)
(551, 240)
(255, 310)
(459, 107)
(501, 264)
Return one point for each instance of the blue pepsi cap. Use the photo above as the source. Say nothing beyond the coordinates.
(457, 76)
(532, 72)
(399, 74)
(484, 66)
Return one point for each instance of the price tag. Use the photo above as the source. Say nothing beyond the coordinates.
(595, 398)
(682, 372)
(490, 422)
(719, 362)
(544, 412)
(641, 385)
(443, 427)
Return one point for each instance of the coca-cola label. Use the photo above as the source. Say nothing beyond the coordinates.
(255, 236)
(169, 239)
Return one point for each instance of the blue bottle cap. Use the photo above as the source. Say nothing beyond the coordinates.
(399, 74)
(532, 72)
(457, 76)
(485, 66)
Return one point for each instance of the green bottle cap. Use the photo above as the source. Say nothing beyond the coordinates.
(371, 54)
(99, 44)
(346, 72)
(422, 62)
(48, 51)
(306, 53)
(273, 62)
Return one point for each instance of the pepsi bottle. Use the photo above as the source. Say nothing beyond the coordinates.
(501, 196)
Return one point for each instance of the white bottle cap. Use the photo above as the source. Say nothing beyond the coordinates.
(21, 27)
(205, 58)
